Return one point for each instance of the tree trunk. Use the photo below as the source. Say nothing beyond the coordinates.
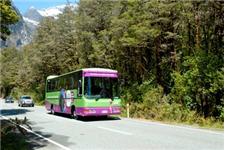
(157, 57)
(197, 24)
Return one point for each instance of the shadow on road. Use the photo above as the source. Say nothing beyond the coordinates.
(16, 140)
(89, 118)
(99, 118)
(9, 112)
(36, 142)
(62, 115)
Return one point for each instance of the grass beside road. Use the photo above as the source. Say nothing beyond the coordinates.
(171, 114)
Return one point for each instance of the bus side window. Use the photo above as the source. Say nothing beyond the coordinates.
(71, 82)
(75, 84)
(57, 85)
(61, 83)
(67, 83)
(53, 85)
(75, 77)
(48, 85)
(79, 88)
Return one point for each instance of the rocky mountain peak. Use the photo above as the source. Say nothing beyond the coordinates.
(33, 14)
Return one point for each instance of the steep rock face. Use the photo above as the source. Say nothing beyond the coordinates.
(22, 32)
(33, 14)
(32, 18)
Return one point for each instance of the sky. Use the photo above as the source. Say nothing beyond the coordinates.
(24, 5)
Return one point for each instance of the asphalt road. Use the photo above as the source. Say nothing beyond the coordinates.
(61, 132)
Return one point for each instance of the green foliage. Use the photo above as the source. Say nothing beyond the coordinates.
(155, 106)
(9, 57)
(8, 16)
(200, 86)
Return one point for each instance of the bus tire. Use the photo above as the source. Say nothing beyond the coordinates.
(105, 117)
(52, 110)
(72, 112)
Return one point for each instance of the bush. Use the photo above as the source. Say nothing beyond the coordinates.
(156, 106)
(12, 135)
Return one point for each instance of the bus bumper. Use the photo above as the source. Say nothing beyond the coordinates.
(98, 111)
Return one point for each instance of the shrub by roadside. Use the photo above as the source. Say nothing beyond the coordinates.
(156, 106)
(12, 135)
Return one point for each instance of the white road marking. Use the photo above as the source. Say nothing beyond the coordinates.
(174, 126)
(114, 130)
(49, 140)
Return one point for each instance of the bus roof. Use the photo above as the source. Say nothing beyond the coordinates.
(85, 70)
(51, 77)
(99, 70)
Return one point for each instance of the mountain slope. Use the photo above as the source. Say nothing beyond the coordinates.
(22, 32)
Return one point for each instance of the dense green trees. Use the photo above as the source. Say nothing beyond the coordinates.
(8, 16)
(169, 54)
(8, 59)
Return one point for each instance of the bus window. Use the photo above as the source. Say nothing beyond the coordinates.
(67, 83)
(75, 84)
(75, 80)
(61, 83)
(57, 85)
(79, 88)
(53, 85)
(71, 82)
(48, 85)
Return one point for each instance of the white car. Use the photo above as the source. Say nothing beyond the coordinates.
(25, 100)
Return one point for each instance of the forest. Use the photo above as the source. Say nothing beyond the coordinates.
(170, 56)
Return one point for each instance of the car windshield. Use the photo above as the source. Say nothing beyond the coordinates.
(26, 97)
(98, 87)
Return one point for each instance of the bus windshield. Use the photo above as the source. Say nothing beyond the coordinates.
(99, 87)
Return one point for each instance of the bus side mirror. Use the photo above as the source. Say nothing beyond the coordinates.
(79, 88)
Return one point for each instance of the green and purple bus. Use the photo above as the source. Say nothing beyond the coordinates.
(85, 92)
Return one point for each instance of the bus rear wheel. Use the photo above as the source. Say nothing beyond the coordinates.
(72, 112)
(52, 110)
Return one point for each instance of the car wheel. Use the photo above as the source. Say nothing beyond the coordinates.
(32, 105)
